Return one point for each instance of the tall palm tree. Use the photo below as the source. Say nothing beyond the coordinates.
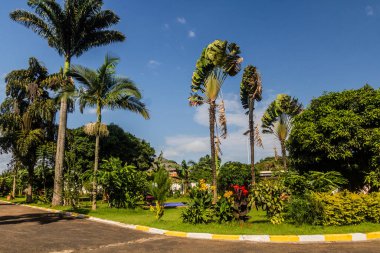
(27, 116)
(277, 120)
(217, 61)
(251, 91)
(103, 89)
(71, 30)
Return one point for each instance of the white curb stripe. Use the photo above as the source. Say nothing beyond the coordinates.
(199, 235)
(359, 237)
(311, 238)
(255, 238)
(156, 231)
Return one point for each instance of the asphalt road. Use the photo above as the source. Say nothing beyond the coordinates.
(24, 229)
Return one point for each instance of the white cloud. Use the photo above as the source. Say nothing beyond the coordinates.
(153, 64)
(166, 27)
(369, 10)
(181, 20)
(191, 34)
(235, 147)
(93, 111)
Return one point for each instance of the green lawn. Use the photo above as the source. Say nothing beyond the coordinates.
(258, 224)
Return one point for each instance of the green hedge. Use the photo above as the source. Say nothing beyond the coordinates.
(346, 208)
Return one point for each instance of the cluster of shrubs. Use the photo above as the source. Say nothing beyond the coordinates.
(233, 205)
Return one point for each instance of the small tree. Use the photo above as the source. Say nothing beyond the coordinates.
(159, 190)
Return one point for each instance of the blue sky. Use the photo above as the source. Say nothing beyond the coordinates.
(302, 48)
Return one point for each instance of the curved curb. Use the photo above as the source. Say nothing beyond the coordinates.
(350, 237)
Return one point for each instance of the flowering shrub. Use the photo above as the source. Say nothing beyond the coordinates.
(200, 209)
(240, 202)
(224, 207)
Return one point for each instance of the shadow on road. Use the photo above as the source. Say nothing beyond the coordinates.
(41, 218)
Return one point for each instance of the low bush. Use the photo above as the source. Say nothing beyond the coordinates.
(303, 210)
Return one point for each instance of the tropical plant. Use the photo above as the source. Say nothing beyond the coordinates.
(183, 173)
(233, 173)
(71, 30)
(373, 180)
(103, 89)
(160, 189)
(277, 120)
(251, 91)
(217, 61)
(27, 116)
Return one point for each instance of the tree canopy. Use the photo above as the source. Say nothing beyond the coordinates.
(339, 131)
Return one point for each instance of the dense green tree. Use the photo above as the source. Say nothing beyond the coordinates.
(71, 29)
(127, 147)
(339, 131)
(101, 88)
(27, 116)
(201, 170)
(277, 120)
(251, 91)
(183, 173)
(234, 173)
(217, 61)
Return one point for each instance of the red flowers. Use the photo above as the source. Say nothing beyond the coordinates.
(240, 189)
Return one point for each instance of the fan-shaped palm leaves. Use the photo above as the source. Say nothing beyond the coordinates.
(277, 119)
(103, 89)
(71, 30)
(217, 61)
(251, 91)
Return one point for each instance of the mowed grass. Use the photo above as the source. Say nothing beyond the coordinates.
(257, 225)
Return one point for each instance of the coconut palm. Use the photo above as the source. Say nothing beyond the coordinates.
(27, 116)
(277, 120)
(103, 89)
(71, 29)
(217, 61)
(251, 91)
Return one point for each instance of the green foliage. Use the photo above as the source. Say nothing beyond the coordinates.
(201, 170)
(346, 208)
(339, 131)
(313, 181)
(200, 208)
(373, 180)
(241, 203)
(250, 86)
(233, 173)
(124, 186)
(160, 190)
(271, 196)
(303, 210)
(224, 209)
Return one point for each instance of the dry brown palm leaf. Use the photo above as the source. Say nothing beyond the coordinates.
(217, 146)
(275, 154)
(258, 140)
(93, 127)
(222, 120)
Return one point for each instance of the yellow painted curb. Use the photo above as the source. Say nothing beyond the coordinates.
(284, 238)
(225, 237)
(142, 228)
(373, 235)
(176, 233)
(338, 237)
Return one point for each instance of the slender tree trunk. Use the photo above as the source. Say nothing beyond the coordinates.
(29, 189)
(96, 162)
(212, 143)
(59, 157)
(14, 184)
(252, 139)
(283, 150)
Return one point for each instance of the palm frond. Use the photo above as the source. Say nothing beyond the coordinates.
(222, 120)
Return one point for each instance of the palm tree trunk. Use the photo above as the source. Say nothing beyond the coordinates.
(283, 150)
(96, 162)
(59, 157)
(29, 189)
(14, 184)
(212, 143)
(252, 139)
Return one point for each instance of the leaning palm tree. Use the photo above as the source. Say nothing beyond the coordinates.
(277, 120)
(217, 61)
(102, 89)
(251, 91)
(71, 30)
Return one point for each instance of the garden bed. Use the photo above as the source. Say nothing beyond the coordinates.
(258, 224)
